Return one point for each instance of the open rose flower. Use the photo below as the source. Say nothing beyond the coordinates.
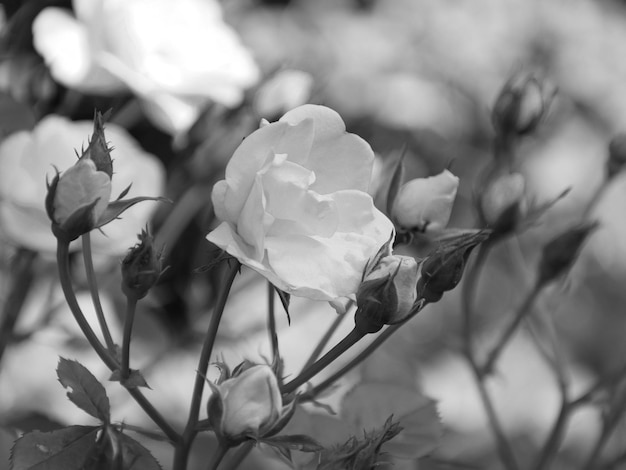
(29, 158)
(176, 56)
(295, 206)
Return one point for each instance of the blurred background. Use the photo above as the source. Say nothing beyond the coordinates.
(413, 76)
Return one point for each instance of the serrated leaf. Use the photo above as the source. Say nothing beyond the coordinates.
(135, 456)
(134, 379)
(370, 404)
(62, 449)
(87, 393)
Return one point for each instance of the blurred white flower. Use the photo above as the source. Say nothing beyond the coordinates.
(176, 56)
(284, 91)
(27, 158)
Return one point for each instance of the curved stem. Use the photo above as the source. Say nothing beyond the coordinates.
(131, 306)
(181, 453)
(346, 343)
(93, 290)
(522, 312)
(468, 292)
(22, 276)
(373, 346)
(107, 358)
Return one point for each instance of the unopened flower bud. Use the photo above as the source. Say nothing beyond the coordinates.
(560, 253)
(617, 155)
(246, 406)
(387, 293)
(80, 195)
(425, 204)
(76, 199)
(442, 270)
(141, 268)
(502, 203)
(521, 105)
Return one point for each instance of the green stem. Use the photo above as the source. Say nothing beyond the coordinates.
(131, 307)
(324, 340)
(181, 453)
(346, 343)
(93, 289)
(105, 356)
(22, 276)
(217, 457)
(522, 312)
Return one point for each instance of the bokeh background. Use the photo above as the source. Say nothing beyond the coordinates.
(418, 75)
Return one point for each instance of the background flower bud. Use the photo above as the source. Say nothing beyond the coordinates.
(502, 204)
(521, 105)
(425, 204)
(249, 404)
(559, 254)
(141, 268)
(617, 155)
(387, 294)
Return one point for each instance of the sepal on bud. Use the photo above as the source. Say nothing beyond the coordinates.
(247, 406)
(443, 269)
(387, 294)
(141, 268)
(560, 253)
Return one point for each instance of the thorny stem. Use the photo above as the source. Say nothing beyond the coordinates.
(93, 289)
(181, 453)
(105, 356)
(522, 312)
(346, 343)
(468, 291)
(131, 306)
(23, 275)
(324, 340)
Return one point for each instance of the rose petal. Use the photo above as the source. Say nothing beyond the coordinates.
(64, 44)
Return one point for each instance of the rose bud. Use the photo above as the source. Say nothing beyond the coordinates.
(521, 105)
(248, 405)
(80, 195)
(387, 294)
(442, 270)
(141, 268)
(502, 203)
(560, 253)
(617, 155)
(425, 204)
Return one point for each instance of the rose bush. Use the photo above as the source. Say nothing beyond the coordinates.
(294, 205)
(28, 158)
(111, 46)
